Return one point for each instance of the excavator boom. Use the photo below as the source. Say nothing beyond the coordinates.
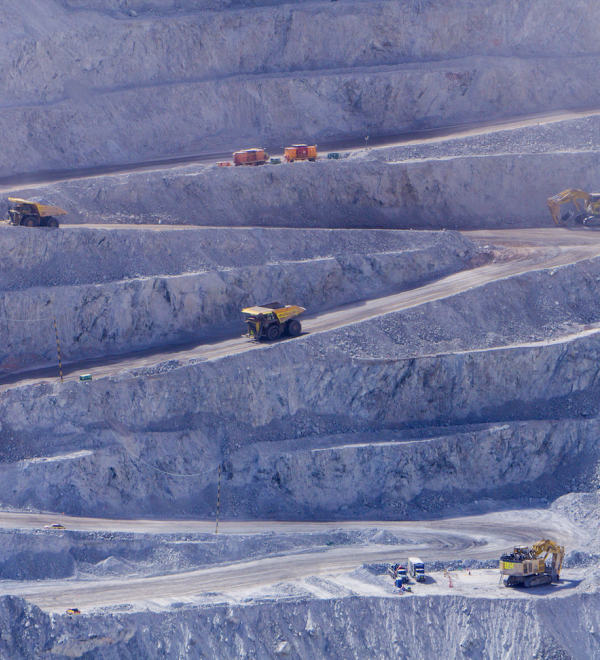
(550, 548)
(578, 197)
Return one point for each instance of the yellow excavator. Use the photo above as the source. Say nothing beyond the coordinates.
(526, 567)
(586, 212)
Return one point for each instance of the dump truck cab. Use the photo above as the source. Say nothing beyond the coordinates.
(399, 574)
(271, 320)
(26, 213)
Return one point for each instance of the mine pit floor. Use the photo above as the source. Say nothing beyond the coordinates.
(295, 573)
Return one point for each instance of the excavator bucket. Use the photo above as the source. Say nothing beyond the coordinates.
(578, 197)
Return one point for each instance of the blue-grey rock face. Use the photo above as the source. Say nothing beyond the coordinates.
(94, 83)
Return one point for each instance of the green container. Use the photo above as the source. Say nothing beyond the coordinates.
(85, 377)
(333, 155)
(275, 161)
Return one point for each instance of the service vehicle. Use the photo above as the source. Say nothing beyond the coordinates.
(250, 157)
(73, 610)
(585, 209)
(271, 320)
(54, 526)
(26, 213)
(300, 152)
(416, 569)
(399, 574)
(525, 566)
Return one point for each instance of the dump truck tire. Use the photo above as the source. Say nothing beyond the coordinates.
(294, 328)
(273, 332)
(29, 221)
(52, 223)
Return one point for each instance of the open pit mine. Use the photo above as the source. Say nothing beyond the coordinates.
(408, 410)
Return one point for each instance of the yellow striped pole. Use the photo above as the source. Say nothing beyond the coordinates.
(58, 349)
(218, 500)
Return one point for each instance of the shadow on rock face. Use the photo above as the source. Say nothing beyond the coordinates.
(37, 566)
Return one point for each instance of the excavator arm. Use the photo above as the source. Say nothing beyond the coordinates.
(547, 547)
(578, 197)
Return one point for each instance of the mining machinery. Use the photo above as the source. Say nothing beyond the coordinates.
(586, 209)
(526, 566)
(26, 213)
(271, 320)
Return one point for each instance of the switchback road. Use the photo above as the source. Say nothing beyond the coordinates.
(525, 250)
(478, 537)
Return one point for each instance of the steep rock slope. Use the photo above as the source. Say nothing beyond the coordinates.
(452, 627)
(89, 84)
(296, 424)
(104, 318)
(366, 190)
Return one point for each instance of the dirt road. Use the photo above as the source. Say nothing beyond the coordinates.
(526, 250)
(20, 181)
(479, 537)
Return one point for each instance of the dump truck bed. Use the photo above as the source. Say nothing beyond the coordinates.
(282, 313)
(43, 209)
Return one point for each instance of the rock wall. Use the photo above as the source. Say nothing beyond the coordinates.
(142, 312)
(327, 477)
(302, 417)
(53, 555)
(451, 627)
(82, 255)
(470, 192)
(86, 88)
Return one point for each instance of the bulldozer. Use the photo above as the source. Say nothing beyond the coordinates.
(271, 320)
(526, 567)
(25, 213)
(586, 211)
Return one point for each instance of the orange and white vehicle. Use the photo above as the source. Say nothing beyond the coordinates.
(250, 157)
(300, 152)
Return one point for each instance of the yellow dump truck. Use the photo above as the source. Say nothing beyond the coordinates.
(25, 213)
(271, 320)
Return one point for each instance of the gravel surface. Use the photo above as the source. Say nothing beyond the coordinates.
(99, 318)
(457, 418)
(572, 135)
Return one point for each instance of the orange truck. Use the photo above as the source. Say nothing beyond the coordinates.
(250, 157)
(300, 152)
